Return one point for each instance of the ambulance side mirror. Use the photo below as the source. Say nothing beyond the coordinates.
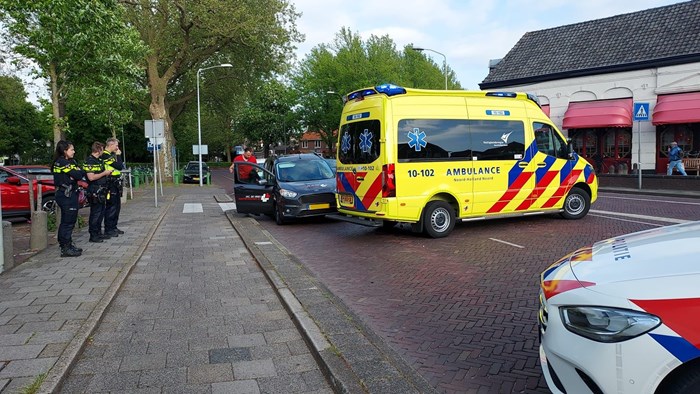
(570, 148)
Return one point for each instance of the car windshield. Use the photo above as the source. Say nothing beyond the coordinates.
(195, 166)
(303, 170)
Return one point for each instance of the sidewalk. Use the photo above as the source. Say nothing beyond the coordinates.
(187, 300)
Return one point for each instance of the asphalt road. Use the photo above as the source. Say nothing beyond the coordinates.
(462, 310)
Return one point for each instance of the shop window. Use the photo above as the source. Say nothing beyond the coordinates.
(679, 133)
(618, 144)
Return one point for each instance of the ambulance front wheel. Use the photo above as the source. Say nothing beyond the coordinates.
(577, 204)
(438, 219)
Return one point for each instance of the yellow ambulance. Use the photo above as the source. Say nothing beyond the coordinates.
(435, 157)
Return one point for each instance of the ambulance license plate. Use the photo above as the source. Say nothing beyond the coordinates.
(195, 178)
(319, 206)
(346, 199)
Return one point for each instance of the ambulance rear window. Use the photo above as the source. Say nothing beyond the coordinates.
(359, 142)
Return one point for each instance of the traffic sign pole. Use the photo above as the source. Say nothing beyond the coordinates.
(641, 114)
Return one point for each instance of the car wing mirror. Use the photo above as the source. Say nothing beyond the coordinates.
(14, 180)
(262, 182)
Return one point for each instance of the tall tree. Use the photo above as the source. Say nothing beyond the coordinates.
(332, 70)
(254, 36)
(21, 126)
(269, 116)
(85, 51)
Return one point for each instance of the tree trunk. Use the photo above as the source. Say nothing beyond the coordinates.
(55, 105)
(159, 110)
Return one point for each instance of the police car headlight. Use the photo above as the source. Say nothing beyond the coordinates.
(287, 193)
(605, 324)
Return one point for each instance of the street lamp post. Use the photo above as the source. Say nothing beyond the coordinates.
(444, 60)
(199, 119)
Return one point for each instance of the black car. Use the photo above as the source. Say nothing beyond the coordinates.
(287, 187)
(191, 172)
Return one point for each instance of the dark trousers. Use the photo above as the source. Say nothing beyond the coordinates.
(114, 206)
(97, 215)
(69, 215)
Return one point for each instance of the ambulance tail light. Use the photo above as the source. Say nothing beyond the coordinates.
(388, 180)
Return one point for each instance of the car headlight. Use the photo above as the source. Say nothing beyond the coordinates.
(288, 193)
(605, 324)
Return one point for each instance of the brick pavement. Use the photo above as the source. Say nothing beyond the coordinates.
(184, 303)
(196, 314)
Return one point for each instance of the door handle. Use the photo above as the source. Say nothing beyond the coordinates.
(541, 165)
(523, 164)
(360, 178)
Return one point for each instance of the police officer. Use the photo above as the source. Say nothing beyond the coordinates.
(111, 160)
(66, 174)
(97, 190)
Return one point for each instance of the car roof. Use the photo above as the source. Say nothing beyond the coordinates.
(29, 167)
(296, 157)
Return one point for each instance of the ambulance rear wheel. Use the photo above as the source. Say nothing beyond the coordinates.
(576, 204)
(438, 219)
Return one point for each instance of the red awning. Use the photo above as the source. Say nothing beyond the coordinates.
(600, 113)
(677, 108)
(545, 109)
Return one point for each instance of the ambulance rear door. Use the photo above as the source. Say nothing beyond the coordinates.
(359, 167)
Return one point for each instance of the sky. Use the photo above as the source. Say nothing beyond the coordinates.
(467, 32)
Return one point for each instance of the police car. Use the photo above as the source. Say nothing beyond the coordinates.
(623, 315)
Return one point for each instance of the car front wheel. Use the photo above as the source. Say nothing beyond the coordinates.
(576, 204)
(279, 218)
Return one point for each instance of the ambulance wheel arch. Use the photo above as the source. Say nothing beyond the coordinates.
(577, 202)
(439, 216)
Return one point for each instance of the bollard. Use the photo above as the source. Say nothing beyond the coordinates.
(8, 254)
(39, 236)
(176, 177)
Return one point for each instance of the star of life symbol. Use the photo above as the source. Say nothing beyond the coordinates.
(365, 141)
(505, 136)
(265, 197)
(417, 139)
(345, 143)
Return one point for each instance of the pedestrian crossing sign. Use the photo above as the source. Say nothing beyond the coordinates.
(641, 111)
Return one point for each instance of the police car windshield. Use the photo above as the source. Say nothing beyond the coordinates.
(304, 170)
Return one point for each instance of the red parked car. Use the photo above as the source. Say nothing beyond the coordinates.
(15, 194)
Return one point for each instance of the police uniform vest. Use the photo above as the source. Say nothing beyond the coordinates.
(66, 174)
(110, 161)
(95, 166)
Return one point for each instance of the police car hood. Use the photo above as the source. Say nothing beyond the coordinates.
(640, 262)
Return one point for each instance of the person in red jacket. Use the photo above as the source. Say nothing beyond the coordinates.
(245, 173)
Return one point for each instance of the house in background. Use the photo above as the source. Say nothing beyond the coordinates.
(588, 75)
(311, 142)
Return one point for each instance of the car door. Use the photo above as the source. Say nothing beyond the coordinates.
(253, 194)
(15, 197)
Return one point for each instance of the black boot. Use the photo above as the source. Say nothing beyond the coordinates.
(95, 238)
(72, 245)
(68, 251)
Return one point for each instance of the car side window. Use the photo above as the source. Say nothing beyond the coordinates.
(3, 176)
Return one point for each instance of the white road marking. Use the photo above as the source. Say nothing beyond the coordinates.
(647, 199)
(264, 243)
(227, 206)
(626, 220)
(507, 243)
(192, 208)
(646, 217)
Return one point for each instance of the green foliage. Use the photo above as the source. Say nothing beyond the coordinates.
(85, 50)
(350, 64)
(22, 130)
(269, 116)
(255, 36)
(34, 386)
